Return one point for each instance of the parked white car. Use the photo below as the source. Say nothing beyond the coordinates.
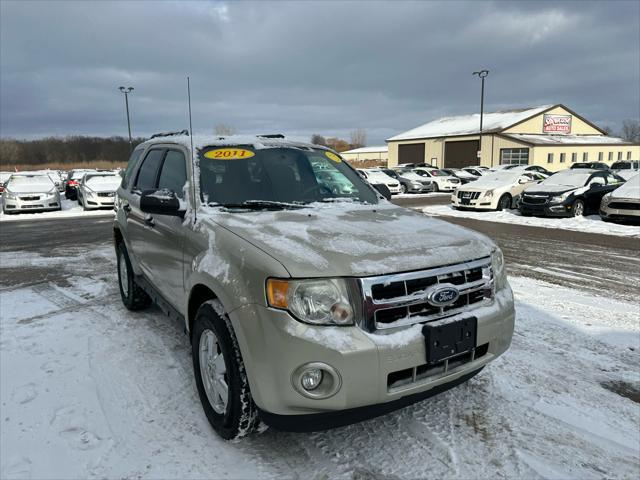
(98, 190)
(30, 192)
(497, 191)
(623, 203)
(377, 176)
(441, 180)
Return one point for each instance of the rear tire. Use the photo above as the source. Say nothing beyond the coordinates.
(236, 416)
(133, 297)
(577, 209)
(504, 202)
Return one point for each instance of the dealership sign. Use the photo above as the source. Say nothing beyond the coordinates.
(556, 124)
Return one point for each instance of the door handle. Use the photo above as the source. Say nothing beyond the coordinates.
(149, 221)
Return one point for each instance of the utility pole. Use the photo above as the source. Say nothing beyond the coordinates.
(127, 91)
(481, 74)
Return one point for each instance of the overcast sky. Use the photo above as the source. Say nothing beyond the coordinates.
(304, 67)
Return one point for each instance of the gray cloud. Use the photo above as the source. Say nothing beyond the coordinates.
(304, 67)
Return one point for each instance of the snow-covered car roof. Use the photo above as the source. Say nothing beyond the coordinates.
(256, 142)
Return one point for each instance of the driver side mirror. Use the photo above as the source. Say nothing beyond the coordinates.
(383, 190)
(522, 180)
(161, 202)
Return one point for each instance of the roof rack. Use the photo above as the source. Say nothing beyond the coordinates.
(271, 135)
(169, 134)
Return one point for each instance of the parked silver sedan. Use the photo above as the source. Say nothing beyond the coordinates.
(29, 192)
(98, 190)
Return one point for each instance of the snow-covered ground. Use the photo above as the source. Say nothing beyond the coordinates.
(88, 389)
(70, 208)
(422, 195)
(589, 223)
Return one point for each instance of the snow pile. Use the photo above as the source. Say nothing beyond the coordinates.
(378, 149)
(70, 208)
(587, 224)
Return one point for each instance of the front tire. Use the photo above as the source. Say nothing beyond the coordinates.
(436, 187)
(504, 202)
(220, 375)
(133, 297)
(577, 209)
(403, 188)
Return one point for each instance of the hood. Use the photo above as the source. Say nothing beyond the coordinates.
(540, 188)
(630, 189)
(353, 240)
(36, 188)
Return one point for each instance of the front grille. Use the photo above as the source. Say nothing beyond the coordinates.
(624, 205)
(32, 206)
(392, 301)
(30, 198)
(393, 185)
(469, 195)
(426, 184)
(105, 194)
(534, 199)
(411, 376)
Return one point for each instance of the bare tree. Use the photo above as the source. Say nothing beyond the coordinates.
(317, 139)
(358, 138)
(607, 130)
(224, 129)
(631, 131)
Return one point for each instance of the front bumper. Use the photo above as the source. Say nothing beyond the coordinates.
(99, 202)
(480, 203)
(419, 188)
(546, 209)
(274, 345)
(37, 203)
(608, 213)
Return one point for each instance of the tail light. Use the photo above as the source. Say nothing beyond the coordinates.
(72, 182)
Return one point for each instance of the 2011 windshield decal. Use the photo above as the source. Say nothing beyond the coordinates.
(229, 154)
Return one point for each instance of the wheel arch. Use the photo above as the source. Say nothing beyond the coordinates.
(199, 294)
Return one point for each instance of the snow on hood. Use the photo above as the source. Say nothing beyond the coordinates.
(495, 180)
(352, 240)
(33, 185)
(104, 183)
(542, 188)
(630, 189)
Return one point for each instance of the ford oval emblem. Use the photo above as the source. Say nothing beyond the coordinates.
(443, 296)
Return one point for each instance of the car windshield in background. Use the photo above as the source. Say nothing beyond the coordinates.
(237, 176)
(438, 173)
(23, 180)
(567, 178)
(103, 181)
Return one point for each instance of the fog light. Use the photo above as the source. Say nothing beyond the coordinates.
(311, 379)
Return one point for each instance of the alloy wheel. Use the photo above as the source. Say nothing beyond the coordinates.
(213, 371)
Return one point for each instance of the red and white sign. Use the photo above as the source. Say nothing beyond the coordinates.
(556, 124)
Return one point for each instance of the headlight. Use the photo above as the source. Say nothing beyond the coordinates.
(499, 272)
(488, 193)
(560, 198)
(10, 196)
(319, 302)
(606, 199)
(52, 191)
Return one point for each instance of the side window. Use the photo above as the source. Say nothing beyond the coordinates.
(173, 175)
(135, 155)
(612, 179)
(599, 179)
(148, 170)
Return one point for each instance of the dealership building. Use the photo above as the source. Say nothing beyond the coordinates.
(379, 154)
(552, 136)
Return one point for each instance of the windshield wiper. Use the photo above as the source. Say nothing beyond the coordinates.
(258, 205)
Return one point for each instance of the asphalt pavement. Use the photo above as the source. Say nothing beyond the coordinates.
(604, 264)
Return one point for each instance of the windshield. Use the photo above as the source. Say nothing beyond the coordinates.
(21, 180)
(233, 176)
(567, 178)
(438, 173)
(103, 181)
(504, 177)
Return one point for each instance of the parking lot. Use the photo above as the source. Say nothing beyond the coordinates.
(115, 391)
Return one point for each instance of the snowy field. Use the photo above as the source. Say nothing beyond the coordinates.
(589, 223)
(90, 390)
(70, 208)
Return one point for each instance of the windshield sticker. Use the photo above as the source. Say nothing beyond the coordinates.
(229, 154)
(333, 156)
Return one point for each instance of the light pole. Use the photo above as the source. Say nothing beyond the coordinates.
(481, 74)
(127, 91)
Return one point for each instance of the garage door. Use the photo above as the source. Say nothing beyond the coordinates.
(411, 153)
(461, 154)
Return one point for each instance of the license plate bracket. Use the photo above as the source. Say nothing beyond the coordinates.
(448, 339)
(465, 201)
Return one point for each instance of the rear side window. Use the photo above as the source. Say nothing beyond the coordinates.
(148, 170)
(133, 160)
(173, 175)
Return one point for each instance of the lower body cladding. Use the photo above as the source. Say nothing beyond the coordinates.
(363, 374)
(42, 204)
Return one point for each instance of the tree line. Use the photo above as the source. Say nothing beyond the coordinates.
(63, 151)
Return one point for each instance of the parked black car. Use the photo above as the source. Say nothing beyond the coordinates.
(569, 193)
(591, 165)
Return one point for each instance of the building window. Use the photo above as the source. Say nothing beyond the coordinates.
(562, 157)
(619, 155)
(585, 157)
(600, 156)
(549, 157)
(611, 156)
(628, 155)
(574, 157)
(514, 156)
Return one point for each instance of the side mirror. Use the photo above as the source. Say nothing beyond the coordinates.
(383, 190)
(160, 202)
(522, 180)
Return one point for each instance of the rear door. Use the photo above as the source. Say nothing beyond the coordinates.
(594, 193)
